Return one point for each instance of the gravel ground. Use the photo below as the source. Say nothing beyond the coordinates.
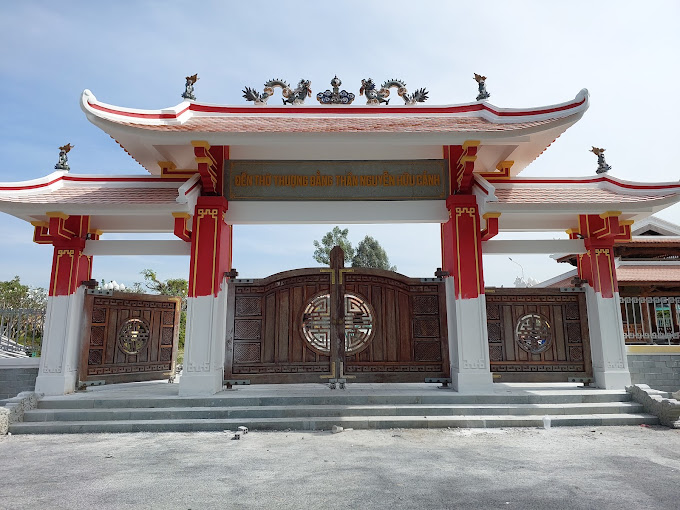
(570, 467)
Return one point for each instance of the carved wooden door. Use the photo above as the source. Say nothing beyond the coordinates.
(129, 337)
(313, 325)
(537, 335)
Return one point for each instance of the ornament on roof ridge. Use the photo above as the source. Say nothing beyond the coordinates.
(63, 158)
(481, 86)
(602, 166)
(336, 96)
(374, 96)
(290, 96)
(189, 88)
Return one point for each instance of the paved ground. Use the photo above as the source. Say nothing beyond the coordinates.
(570, 468)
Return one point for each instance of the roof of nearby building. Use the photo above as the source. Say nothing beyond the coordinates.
(627, 274)
(654, 225)
(651, 273)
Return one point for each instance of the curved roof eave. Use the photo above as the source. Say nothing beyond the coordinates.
(141, 133)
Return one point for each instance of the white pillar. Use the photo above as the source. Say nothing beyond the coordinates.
(206, 332)
(60, 353)
(607, 343)
(468, 341)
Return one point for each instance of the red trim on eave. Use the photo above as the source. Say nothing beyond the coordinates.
(277, 110)
(90, 179)
(139, 115)
(475, 183)
(593, 180)
(190, 189)
(536, 112)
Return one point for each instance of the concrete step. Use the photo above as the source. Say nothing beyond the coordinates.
(445, 397)
(307, 411)
(326, 422)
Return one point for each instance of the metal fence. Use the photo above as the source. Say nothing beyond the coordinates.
(651, 320)
(21, 332)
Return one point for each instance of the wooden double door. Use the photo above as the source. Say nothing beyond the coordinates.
(320, 324)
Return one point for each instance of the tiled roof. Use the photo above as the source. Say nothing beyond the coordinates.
(580, 195)
(627, 274)
(95, 195)
(654, 240)
(566, 282)
(344, 124)
(645, 273)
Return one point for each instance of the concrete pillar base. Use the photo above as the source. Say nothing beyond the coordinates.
(468, 342)
(471, 382)
(206, 333)
(59, 358)
(607, 344)
(612, 379)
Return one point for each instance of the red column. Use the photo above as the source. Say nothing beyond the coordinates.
(597, 266)
(210, 247)
(69, 266)
(462, 246)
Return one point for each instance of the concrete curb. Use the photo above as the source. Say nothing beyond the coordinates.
(656, 402)
(16, 407)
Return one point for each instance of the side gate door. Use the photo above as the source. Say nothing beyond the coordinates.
(537, 335)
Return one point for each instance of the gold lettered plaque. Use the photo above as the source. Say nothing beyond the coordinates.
(418, 179)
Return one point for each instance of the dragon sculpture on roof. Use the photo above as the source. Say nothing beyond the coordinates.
(290, 96)
(602, 166)
(63, 158)
(188, 93)
(377, 96)
(481, 87)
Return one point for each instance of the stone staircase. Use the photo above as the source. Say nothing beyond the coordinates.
(322, 410)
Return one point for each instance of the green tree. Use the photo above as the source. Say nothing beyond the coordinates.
(369, 253)
(336, 237)
(13, 294)
(170, 287)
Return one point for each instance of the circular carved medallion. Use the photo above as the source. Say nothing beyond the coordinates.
(316, 323)
(133, 336)
(533, 333)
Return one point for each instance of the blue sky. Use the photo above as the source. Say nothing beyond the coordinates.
(136, 54)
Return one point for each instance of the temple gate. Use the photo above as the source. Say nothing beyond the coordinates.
(216, 166)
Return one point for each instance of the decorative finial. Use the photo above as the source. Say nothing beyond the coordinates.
(336, 96)
(481, 85)
(602, 166)
(63, 158)
(290, 96)
(189, 88)
(375, 96)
